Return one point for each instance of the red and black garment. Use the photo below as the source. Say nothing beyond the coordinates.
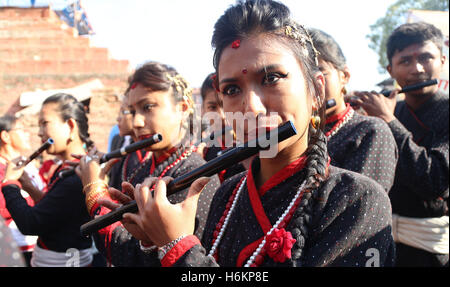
(421, 186)
(117, 244)
(348, 215)
(56, 218)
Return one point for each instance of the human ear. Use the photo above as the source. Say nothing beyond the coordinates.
(344, 75)
(389, 69)
(73, 126)
(318, 99)
(5, 137)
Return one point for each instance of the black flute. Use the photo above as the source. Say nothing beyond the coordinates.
(412, 87)
(227, 159)
(156, 138)
(330, 103)
(34, 155)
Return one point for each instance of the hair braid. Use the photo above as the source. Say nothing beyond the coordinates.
(316, 173)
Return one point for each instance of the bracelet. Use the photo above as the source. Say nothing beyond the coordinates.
(146, 249)
(162, 251)
(94, 182)
(93, 196)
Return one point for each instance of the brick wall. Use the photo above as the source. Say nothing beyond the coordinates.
(39, 51)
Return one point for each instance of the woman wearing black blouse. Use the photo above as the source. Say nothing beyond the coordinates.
(57, 217)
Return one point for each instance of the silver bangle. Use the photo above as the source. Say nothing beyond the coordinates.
(162, 251)
(147, 249)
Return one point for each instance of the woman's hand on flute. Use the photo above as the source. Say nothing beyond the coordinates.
(161, 220)
(14, 172)
(89, 168)
(121, 198)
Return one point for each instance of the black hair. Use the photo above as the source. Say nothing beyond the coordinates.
(412, 33)
(328, 48)
(273, 19)
(71, 108)
(7, 122)
(160, 77)
(207, 85)
(156, 76)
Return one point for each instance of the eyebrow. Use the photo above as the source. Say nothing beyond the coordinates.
(263, 70)
(140, 102)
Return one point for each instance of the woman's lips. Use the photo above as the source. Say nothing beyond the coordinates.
(256, 132)
(143, 137)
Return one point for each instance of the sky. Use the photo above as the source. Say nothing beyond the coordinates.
(178, 32)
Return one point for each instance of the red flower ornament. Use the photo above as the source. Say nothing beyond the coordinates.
(279, 244)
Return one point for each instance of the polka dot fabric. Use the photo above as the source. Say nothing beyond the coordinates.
(352, 215)
(421, 183)
(124, 250)
(365, 145)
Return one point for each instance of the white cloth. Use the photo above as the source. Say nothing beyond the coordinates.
(25, 242)
(36, 179)
(429, 234)
(71, 258)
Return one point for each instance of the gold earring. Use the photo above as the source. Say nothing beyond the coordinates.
(315, 121)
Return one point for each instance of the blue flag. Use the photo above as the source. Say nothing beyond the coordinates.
(74, 13)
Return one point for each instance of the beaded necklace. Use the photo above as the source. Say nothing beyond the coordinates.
(143, 163)
(348, 115)
(258, 255)
(162, 168)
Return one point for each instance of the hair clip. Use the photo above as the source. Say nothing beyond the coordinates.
(236, 44)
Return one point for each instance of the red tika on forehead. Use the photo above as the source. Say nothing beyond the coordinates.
(133, 86)
(236, 44)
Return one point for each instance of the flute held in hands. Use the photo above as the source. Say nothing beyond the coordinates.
(156, 138)
(229, 158)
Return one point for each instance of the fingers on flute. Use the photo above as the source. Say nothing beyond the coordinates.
(110, 164)
(195, 191)
(161, 190)
(118, 195)
(108, 203)
(128, 189)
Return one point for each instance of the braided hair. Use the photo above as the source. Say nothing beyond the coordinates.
(273, 19)
(70, 108)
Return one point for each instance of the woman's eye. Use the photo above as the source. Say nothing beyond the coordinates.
(231, 90)
(147, 107)
(272, 78)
